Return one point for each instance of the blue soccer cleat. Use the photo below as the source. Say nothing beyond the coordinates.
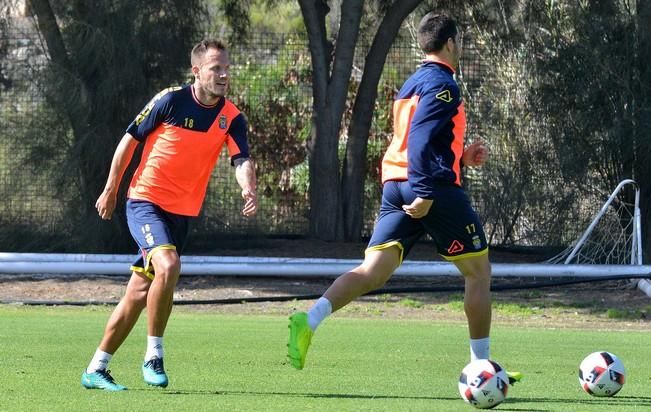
(154, 373)
(100, 379)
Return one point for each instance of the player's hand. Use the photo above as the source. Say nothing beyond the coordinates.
(251, 202)
(418, 208)
(475, 154)
(105, 205)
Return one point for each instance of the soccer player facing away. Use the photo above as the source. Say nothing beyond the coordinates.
(422, 193)
(182, 130)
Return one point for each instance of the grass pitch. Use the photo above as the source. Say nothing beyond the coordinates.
(222, 362)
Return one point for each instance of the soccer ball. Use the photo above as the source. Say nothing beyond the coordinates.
(483, 384)
(601, 374)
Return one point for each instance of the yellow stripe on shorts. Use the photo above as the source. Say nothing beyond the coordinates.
(148, 271)
(386, 246)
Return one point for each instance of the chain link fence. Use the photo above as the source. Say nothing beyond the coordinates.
(518, 201)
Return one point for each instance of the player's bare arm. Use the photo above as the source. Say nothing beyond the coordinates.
(105, 203)
(245, 176)
(475, 154)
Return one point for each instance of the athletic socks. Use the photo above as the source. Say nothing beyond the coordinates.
(101, 359)
(319, 311)
(480, 348)
(154, 347)
(99, 362)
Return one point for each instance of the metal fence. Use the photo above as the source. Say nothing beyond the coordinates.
(270, 83)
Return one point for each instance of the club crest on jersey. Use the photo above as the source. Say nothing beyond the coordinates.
(445, 95)
(455, 247)
(223, 121)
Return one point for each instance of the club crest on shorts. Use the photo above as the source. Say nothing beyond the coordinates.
(223, 121)
(455, 247)
(476, 242)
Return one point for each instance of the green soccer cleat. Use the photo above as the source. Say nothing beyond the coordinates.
(100, 379)
(514, 377)
(154, 373)
(300, 337)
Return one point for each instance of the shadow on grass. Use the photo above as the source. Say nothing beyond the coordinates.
(511, 403)
(614, 401)
(307, 395)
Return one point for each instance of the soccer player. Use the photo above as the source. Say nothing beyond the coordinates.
(182, 130)
(422, 193)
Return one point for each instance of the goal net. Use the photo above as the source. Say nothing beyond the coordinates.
(614, 235)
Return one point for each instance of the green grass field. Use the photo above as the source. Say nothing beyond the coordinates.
(237, 363)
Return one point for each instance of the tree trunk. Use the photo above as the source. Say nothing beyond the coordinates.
(329, 93)
(90, 172)
(354, 170)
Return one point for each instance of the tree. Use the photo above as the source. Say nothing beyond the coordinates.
(579, 72)
(599, 58)
(106, 59)
(642, 115)
(5, 81)
(336, 193)
(354, 169)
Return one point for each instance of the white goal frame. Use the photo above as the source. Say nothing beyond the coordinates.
(635, 258)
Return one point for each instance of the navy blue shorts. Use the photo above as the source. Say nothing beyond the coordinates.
(154, 229)
(451, 222)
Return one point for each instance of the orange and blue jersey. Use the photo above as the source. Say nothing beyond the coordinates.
(428, 131)
(182, 143)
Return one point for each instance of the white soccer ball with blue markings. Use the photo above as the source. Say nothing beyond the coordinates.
(483, 384)
(602, 374)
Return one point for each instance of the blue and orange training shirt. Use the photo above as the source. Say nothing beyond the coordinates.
(428, 130)
(182, 142)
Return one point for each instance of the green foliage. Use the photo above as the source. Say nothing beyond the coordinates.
(282, 17)
(557, 88)
(512, 309)
(275, 95)
(411, 303)
(589, 93)
(626, 314)
(121, 53)
(456, 304)
(243, 19)
(33, 185)
(300, 178)
(540, 110)
(5, 81)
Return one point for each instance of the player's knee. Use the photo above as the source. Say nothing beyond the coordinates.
(168, 270)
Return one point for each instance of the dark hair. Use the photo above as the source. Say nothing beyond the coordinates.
(434, 31)
(202, 47)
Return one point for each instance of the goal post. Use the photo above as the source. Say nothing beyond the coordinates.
(614, 236)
